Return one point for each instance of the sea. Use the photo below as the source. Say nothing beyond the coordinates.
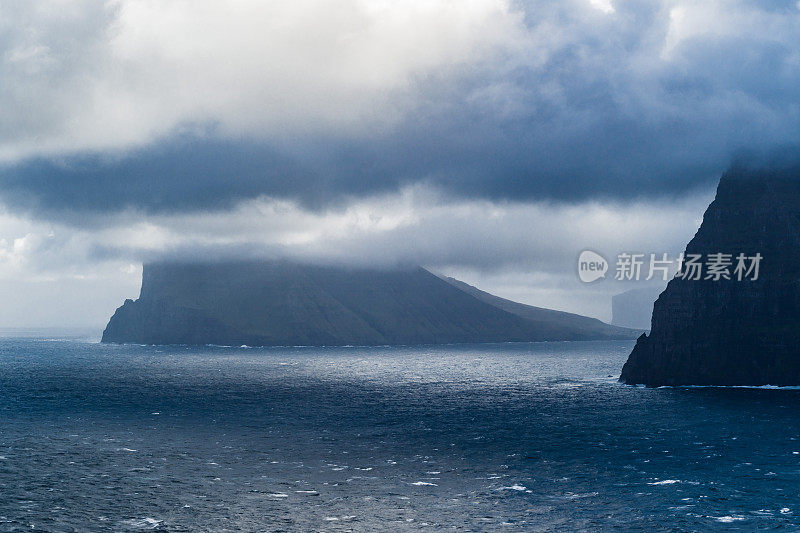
(491, 437)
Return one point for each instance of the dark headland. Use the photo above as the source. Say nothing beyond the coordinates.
(731, 332)
(277, 303)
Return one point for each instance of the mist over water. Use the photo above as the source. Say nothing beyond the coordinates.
(512, 437)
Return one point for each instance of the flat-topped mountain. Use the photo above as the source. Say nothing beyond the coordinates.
(278, 303)
(727, 331)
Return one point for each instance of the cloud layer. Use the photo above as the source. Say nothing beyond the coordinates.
(179, 105)
(523, 251)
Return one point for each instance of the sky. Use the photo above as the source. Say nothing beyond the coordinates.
(493, 140)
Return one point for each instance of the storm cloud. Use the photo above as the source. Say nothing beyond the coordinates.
(184, 106)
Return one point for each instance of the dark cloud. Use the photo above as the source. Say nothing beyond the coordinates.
(176, 175)
(618, 108)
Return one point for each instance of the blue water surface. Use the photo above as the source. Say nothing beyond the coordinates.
(513, 437)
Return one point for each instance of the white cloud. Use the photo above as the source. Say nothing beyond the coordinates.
(115, 74)
(715, 19)
(675, 85)
(94, 75)
(606, 6)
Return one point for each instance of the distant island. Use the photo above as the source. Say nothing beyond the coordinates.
(633, 308)
(726, 331)
(282, 303)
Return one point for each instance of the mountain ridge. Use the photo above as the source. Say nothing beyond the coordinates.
(583, 325)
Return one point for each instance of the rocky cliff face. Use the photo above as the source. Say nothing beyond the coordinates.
(731, 332)
(281, 303)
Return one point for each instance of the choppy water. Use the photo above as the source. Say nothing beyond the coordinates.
(521, 437)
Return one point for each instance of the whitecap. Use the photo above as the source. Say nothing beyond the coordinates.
(728, 519)
(665, 482)
(424, 484)
(143, 523)
(765, 387)
(337, 518)
(514, 487)
(573, 496)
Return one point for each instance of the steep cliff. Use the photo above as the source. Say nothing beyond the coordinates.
(282, 303)
(731, 332)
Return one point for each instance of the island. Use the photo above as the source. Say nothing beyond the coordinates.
(634, 308)
(286, 303)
